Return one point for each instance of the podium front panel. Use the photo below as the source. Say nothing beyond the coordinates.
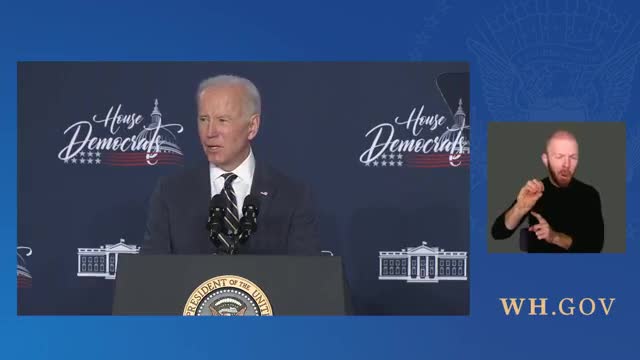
(294, 285)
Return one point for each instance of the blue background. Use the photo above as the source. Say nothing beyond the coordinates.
(420, 30)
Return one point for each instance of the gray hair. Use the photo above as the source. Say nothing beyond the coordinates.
(252, 100)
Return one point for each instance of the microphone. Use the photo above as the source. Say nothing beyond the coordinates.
(215, 222)
(249, 221)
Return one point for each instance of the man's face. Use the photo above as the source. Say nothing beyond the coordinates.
(561, 160)
(224, 125)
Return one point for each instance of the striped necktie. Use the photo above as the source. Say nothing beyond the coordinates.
(231, 211)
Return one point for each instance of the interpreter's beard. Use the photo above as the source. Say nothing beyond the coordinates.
(561, 178)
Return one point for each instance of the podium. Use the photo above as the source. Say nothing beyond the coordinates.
(230, 285)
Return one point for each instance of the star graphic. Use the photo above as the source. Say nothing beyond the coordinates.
(375, 163)
(367, 164)
(98, 154)
(97, 161)
(74, 160)
(392, 163)
(89, 154)
(81, 161)
(384, 163)
(399, 163)
(81, 153)
(90, 161)
(399, 156)
(384, 156)
(66, 161)
(392, 156)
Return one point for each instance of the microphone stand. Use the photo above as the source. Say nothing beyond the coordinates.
(247, 226)
(238, 239)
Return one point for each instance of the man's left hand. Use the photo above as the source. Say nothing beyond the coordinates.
(542, 229)
(544, 232)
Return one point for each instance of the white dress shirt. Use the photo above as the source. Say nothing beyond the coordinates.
(241, 185)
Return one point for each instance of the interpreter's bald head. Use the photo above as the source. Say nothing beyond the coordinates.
(561, 157)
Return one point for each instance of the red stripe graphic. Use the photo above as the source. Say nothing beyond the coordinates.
(433, 161)
(140, 159)
(434, 156)
(143, 164)
(143, 159)
(437, 160)
(438, 163)
(140, 154)
(24, 282)
(438, 166)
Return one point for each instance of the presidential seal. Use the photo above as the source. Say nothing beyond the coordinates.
(228, 295)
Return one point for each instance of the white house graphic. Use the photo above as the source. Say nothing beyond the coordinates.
(423, 264)
(103, 262)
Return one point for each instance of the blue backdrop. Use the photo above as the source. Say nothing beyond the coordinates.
(529, 60)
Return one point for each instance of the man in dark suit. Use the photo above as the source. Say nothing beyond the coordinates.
(228, 119)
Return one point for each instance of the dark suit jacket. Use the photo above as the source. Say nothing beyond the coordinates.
(179, 208)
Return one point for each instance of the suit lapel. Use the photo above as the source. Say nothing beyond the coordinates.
(202, 187)
(264, 189)
(201, 200)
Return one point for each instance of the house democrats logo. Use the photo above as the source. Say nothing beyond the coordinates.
(122, 139)
(228, 295)
(419, 141)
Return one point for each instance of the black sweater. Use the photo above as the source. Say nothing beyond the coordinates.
(574, 210)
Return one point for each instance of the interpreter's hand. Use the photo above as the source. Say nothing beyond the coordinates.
(529, 195)
(543, 230)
